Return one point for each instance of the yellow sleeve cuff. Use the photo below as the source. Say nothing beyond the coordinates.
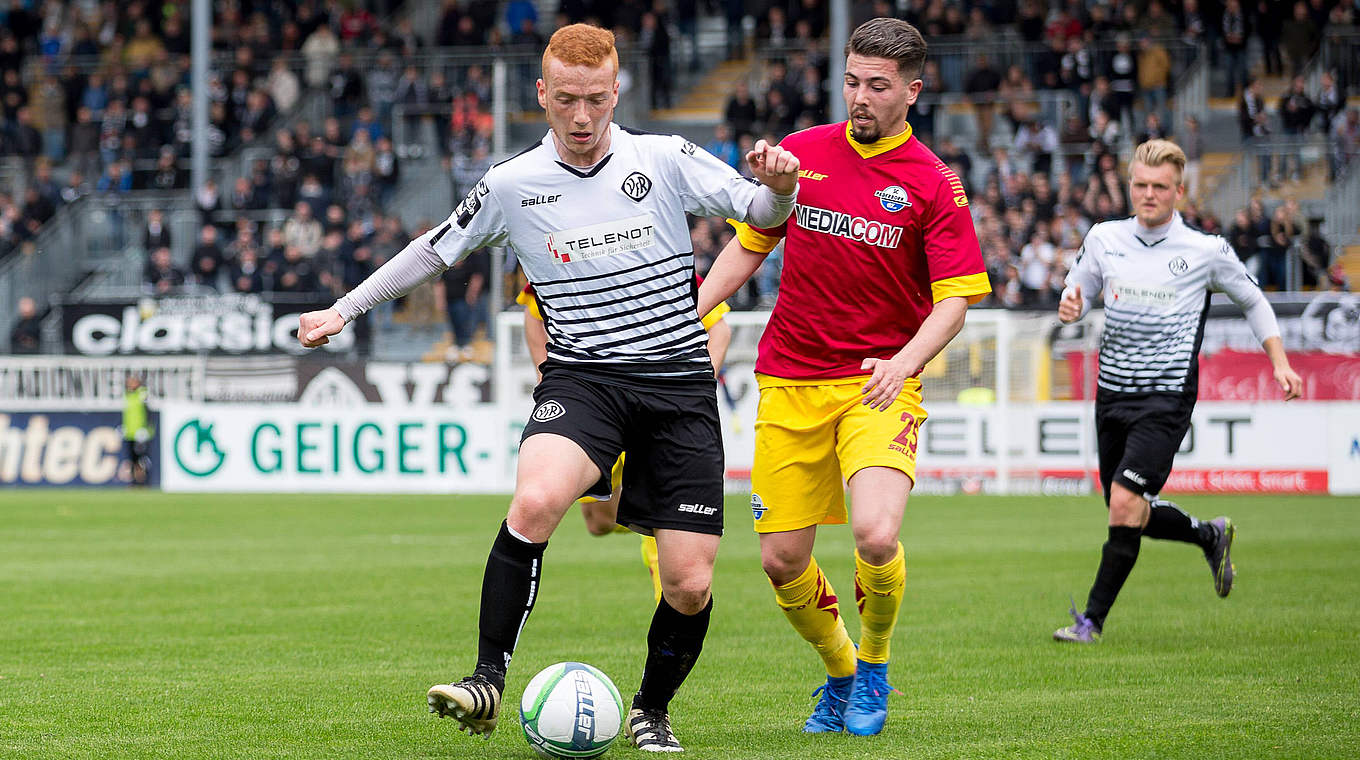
(530, 304)
(752, 239)
(714, 316)
(974, 287)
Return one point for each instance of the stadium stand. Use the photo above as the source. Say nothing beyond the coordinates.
(339, 129)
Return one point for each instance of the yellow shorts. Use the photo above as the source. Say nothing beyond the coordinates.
(810, 438)
(615, 480)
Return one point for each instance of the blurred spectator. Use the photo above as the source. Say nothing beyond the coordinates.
(245, 274)
(283, 85)
(320, 50)
(26, 335)
(1192, 142)
(162, 276)
(981, 85)
(297, 274)
(1299, 35)
(1154, 73)
(1234, 30)
(386, 170)
(741, 111)
(464, 286)
(1253, 123)
(656, 41)
(207, 258)
(156, 234)
(723, 146)
(1345, 142)
(1037, 142)
(1330, 99)
(302, 231)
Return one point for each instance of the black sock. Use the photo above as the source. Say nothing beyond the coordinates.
(1116, 560)
(509, 588)
(673, 644)
(1170, 523)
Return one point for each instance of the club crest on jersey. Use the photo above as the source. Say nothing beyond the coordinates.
(893, 198)
(1178, 266)
(548, 410)
(757, 506)
(636, 186)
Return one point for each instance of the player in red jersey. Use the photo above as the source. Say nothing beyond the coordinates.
(880, 265)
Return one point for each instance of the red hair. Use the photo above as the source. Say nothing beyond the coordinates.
(582, 45)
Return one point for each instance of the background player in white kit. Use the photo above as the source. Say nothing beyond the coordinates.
(1155, 273)
(596, 215)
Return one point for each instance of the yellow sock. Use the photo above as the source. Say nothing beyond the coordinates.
(810, 604)
(878, 589)
(653, 565)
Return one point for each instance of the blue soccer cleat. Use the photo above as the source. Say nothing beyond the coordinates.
(868, 708)
(828, 717)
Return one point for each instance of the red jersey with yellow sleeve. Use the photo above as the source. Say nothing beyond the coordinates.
(879, 235)
(530, 303)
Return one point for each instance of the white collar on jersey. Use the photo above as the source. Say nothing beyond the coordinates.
(1157, 233)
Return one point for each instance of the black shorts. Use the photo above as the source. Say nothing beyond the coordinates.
(134, 451)
(674, 473)
(1138, 437)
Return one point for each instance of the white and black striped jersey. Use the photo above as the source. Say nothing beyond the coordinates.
(607, 248)
(1156, 286)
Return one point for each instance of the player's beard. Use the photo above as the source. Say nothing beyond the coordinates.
(865, 135)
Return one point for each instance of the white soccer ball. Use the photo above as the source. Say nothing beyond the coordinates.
(571, 710)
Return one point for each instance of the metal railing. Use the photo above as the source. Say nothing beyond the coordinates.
(1263, 162)
(1340, 52)
(1190, 96)
(1343, 208)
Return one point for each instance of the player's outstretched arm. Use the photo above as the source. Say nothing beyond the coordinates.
(416, 263)
(733, 267)
(889, 375)
(1288, 380)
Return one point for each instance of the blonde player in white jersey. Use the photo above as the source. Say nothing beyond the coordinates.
(1155, 273)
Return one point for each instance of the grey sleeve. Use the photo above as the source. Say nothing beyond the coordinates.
(416, 263)
(770, 209)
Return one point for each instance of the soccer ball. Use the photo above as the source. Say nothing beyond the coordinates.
(571, 710)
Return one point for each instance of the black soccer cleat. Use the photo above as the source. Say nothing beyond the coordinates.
(1219, 556)
(650, 731)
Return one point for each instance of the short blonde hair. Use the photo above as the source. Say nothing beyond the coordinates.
(582, 45)
(1154, 153)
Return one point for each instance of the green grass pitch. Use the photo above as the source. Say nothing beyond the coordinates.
(147, 625)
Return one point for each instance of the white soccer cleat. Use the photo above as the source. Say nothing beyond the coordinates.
(474, 702)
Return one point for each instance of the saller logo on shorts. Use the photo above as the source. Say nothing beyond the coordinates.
(1135, 477)
(697, 509)
(548, 410)
(840, 224)
(603, 239)
(757, 506)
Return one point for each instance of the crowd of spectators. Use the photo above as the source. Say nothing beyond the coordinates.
(1040, 162)
(94, 98)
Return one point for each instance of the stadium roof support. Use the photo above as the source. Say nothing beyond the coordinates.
(201, 21)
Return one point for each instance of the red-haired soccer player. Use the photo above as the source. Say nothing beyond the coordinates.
(595, 214)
